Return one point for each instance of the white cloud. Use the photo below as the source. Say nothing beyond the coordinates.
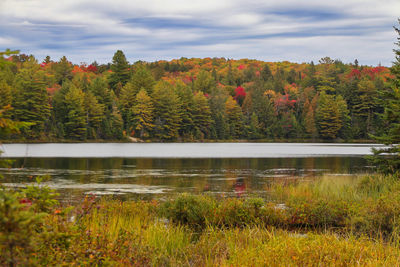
(6, 41)
(292, 30)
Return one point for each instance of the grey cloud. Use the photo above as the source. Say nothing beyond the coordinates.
(274, 30)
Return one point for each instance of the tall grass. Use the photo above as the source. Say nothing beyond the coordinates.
(348, 222)
(131, 234)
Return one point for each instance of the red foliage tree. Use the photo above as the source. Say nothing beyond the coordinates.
(240, 94)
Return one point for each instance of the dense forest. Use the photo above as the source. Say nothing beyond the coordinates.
(190, 99)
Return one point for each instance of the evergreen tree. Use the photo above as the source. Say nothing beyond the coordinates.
(309, 120)
(62, 70)
(330, 115)
(99, 88)
(143, 112)
(263, 108)
(120, 71)
(234, 117)
(388, 159)
(186, 98)
(167, 111)
(94, 115)
(217, 101)
(75, 125)
(31, 101)
(201, 115)
(142, 78)
(5, 94)
(254, 132)
(266, 73)
(366, 105)
(230, 78)
(204, 82)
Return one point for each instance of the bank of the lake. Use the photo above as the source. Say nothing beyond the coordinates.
(335, 222)
(138, 140)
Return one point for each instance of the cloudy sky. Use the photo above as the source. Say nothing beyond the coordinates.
(293, 30)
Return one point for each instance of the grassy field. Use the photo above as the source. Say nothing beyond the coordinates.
(329, 221)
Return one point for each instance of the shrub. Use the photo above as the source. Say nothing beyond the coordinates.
(194, 211)
(18, 227)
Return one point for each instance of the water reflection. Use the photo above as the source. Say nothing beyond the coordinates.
(145, 177)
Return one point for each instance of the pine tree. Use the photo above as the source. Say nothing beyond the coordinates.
(331, 115)
(94, 115)
(167, 111)
(127, 100)
(75, 125)
(5, 94)
(186, 99)
(142, 78)
(366, 105)
(204, 82)
(120, 75)
(234, 117)
(309, 120)
(99, 88)
(62, 70)
(388, 159)
(31, 101)
(263, 108)
(143, 112)
(201, 114)
(116, 124)
(218, 129)
(266, 73)
(254, 127)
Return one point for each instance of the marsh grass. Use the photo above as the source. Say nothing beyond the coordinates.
(148, 240)
(334, 221)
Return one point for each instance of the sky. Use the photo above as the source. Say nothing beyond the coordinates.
(150, 30)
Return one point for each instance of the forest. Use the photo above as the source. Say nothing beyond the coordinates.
(190, 99)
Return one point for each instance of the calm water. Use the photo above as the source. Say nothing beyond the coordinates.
(157, 170)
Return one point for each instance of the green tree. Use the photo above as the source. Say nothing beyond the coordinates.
(120, 71)
(330, 115)
(266, 73)
(186, 98)
(257, 102)
(167, 111)
(201, 115)
(143, 112)
(75, 125)
(367, 102)
(99, 88)
(142, 78)
(18, 224)
(204, 82)
(234, 117)
(31, 101)
(254, 127)
(62, 70)
(94, 115)
(115, 124)
(5, 94)
(309, 120)
(127, 100)
(388, 159)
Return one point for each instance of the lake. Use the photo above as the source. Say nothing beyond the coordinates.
(148, 170)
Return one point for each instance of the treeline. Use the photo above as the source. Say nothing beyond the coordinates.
(190, 99)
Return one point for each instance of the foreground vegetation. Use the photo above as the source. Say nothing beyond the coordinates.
(329, 221)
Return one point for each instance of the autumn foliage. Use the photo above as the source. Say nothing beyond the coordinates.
(239, 98)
